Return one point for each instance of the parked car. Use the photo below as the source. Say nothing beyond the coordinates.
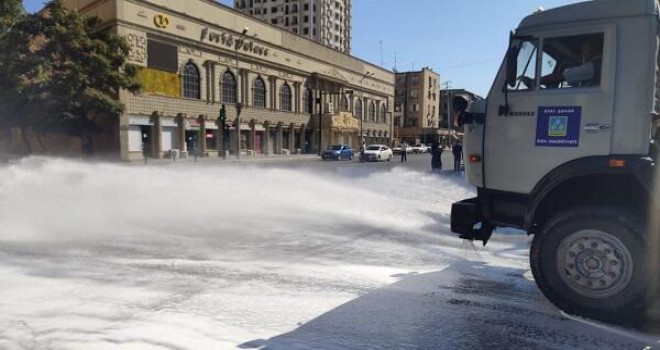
(376, 153)
(338, 152)
(420, 149)
(397, 149)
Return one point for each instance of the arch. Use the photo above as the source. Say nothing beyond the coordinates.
(344, 103)
(372, 111)
(308, 101)
(358, 109)
(285, 98)
(259, 93)
(229, 87)
(191, 81)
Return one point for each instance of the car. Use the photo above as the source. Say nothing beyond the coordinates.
(397, 150)
(376, 153)
(420, 149)
(338, 152)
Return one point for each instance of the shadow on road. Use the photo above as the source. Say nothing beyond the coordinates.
(466, 306)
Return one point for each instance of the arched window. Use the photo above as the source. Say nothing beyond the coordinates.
(259, 93)
(358, 109)
(372, 112)
(307, 101)
(228, 88)
(285, 98)
(383, 113)
(344, 103)
(191, 81)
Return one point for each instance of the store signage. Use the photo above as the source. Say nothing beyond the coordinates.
(232, 41)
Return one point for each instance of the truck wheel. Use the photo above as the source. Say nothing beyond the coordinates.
(592, 262)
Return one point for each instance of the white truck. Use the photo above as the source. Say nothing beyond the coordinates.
(565, 148)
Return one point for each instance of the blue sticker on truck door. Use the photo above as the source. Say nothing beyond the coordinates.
(558, 126)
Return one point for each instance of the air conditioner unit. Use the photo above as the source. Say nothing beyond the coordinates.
(330, 108)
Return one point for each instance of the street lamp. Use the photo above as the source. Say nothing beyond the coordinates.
(239, 105)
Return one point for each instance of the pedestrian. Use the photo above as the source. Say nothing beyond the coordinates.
(404, 152)
(457, 150)
(436, 157)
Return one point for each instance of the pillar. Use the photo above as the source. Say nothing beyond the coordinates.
(266, 139)
(201, 138)
(303, 128)
(252, 137)
(157, 131)
(292, 138)
(280, 138)
(181, 132)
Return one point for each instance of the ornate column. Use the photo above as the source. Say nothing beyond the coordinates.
(157, 133)
(252, 136)
(181, 132)
(292, 138)
(201, 138)
(266, 139)
(280, 137)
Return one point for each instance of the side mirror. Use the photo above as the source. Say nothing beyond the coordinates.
(512, 65)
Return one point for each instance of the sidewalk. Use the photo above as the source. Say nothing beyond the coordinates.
(231, 159)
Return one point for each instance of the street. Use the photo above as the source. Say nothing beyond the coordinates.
(267, 255)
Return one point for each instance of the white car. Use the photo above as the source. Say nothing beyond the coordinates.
(377, 153)
(397, 150)
(420, 149)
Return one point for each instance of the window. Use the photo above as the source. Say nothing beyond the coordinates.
(306, 31)
(273, 21)
(306, 7)
(307, 98)
(344, 103)
(383, 114)
(358, 109)
(228, 88)
(572, 61)
(306, 19)
(191, 81)
(259, 93)
(525, 65)
(372, 111)
(273, 9)
(285, 98)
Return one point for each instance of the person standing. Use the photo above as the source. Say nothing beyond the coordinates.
(436, 156)
(404, 152)
(457, 150)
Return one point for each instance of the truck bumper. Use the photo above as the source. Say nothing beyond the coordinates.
(467, 221)
(464, 215)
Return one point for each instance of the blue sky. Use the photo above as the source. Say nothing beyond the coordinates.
(464, 41)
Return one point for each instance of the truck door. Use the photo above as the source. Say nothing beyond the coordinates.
(558, 109)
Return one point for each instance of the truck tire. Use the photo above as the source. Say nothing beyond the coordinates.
(591, 261)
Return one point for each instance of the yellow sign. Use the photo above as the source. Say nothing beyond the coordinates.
(161, 21)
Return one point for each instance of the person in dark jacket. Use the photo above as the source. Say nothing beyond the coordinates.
(457, 150)
(436, 156)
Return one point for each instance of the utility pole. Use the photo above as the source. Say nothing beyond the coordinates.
(447, 85)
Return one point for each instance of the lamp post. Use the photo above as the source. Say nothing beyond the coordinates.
(239, 105)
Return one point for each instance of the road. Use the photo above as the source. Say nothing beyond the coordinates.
(267, 255)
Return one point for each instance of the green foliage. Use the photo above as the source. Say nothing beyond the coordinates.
(70, 68)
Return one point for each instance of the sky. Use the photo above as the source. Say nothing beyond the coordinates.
(463, 41)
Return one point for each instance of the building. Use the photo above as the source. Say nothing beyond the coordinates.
(198, 57)
(325, 21)
(416, 106)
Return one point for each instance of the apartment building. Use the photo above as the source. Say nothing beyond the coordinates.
(325, 21)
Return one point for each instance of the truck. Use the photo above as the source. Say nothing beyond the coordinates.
(565, 148)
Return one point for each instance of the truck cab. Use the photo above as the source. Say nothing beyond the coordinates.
(564, 146)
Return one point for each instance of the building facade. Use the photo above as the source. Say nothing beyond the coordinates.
(416, 106)
(325, 21)
(198, 57)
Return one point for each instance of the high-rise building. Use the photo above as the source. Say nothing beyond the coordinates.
(325, 21)
(416, 106)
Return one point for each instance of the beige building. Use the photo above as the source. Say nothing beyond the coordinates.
(325, 21)
(416, 106)
(196, 56)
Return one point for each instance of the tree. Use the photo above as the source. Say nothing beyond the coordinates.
(65, 72)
